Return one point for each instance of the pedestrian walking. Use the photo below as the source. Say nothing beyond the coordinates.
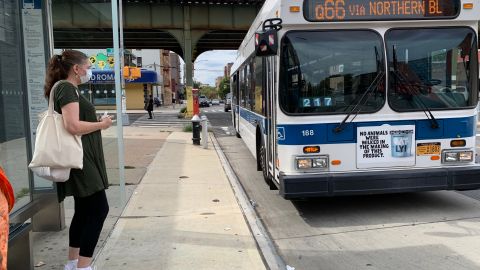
(7, 200)
(87, 186)
(156, 100)
(149, 107)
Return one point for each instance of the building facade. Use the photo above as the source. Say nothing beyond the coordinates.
(227, 69)
(175, 81)
(218, 80)
(100, 90)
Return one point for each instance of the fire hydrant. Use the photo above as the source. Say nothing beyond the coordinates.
(196, 127)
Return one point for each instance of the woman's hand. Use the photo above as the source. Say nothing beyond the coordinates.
(106, 122)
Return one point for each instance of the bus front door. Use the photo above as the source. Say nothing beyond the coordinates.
(235, 108)
(271, 116)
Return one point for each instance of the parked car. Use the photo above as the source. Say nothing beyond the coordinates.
(228, 103)
(215, 101)
(203, 101)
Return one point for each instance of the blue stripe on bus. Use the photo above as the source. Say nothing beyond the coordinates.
(253, 118)
(324, 134)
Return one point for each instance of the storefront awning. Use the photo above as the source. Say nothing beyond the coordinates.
(108, 77)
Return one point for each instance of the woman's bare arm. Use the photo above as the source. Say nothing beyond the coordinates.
(73, 124)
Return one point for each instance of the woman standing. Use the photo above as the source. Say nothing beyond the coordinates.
(87, 186)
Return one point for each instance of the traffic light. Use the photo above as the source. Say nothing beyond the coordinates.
(126, 72)
(131, 73)
(135, 73)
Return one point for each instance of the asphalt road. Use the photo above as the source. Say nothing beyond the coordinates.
(220, 121)
(425, 230)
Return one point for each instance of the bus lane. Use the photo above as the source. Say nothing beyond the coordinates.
(424, 230)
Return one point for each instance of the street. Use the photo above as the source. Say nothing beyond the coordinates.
(425, 230)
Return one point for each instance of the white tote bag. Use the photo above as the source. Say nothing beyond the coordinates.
(56, 150)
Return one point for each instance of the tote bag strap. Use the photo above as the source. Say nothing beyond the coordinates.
(52, 93)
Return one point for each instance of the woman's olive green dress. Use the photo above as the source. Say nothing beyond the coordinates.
(93, 177)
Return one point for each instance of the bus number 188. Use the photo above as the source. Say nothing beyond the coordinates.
(308, 132)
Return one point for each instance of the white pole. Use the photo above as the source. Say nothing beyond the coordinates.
(118, 95)
(204, 124)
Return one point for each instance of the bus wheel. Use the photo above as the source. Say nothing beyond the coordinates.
(266, 175)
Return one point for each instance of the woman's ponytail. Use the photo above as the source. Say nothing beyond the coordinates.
(59, 66)
(55, 72)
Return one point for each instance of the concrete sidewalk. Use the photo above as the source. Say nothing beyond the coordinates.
(183, 215)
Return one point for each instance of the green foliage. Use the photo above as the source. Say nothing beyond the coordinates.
(224, 87)
(183, 109)
(209, 92)
(187, 128)
(196, 84)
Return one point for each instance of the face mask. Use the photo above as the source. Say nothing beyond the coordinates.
(85, 78)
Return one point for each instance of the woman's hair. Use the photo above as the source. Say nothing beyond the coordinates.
(60, 65)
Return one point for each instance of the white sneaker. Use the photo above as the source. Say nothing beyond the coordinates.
(87, 268)
(70, 266)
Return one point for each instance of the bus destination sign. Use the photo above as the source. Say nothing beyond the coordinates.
(363, 10)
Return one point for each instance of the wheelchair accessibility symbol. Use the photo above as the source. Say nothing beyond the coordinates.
(280, 133)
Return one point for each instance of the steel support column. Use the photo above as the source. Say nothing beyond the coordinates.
(187, 56)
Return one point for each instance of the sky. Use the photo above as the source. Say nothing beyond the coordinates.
(209, 65)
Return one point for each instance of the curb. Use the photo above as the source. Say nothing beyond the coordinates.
(271, 258)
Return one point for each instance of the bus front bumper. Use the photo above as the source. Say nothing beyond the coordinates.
(394, 181)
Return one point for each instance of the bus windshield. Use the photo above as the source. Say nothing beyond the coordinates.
(328, 72)
(432, 68)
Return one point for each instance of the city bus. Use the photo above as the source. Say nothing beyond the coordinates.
(350, 97)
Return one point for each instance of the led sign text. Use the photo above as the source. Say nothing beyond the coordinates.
(359, 10)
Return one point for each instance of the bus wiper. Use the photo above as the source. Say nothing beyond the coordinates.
(378, 79)
(398, 76)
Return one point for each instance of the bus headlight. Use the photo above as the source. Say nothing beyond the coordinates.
(311, 162)
(465, 156)
(304, 163)
(451, 157)
(457, 156)
(320, 162)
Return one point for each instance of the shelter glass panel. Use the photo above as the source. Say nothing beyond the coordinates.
(14, 137)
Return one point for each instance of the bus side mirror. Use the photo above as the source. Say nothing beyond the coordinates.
(266, 43)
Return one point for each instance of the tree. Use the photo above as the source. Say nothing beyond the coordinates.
(209, 92)
(196, 84)
(224, 87)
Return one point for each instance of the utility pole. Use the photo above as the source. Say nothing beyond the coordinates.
(155, 69)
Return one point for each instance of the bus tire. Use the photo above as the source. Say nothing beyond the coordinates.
(258, 146)
(266, 175)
